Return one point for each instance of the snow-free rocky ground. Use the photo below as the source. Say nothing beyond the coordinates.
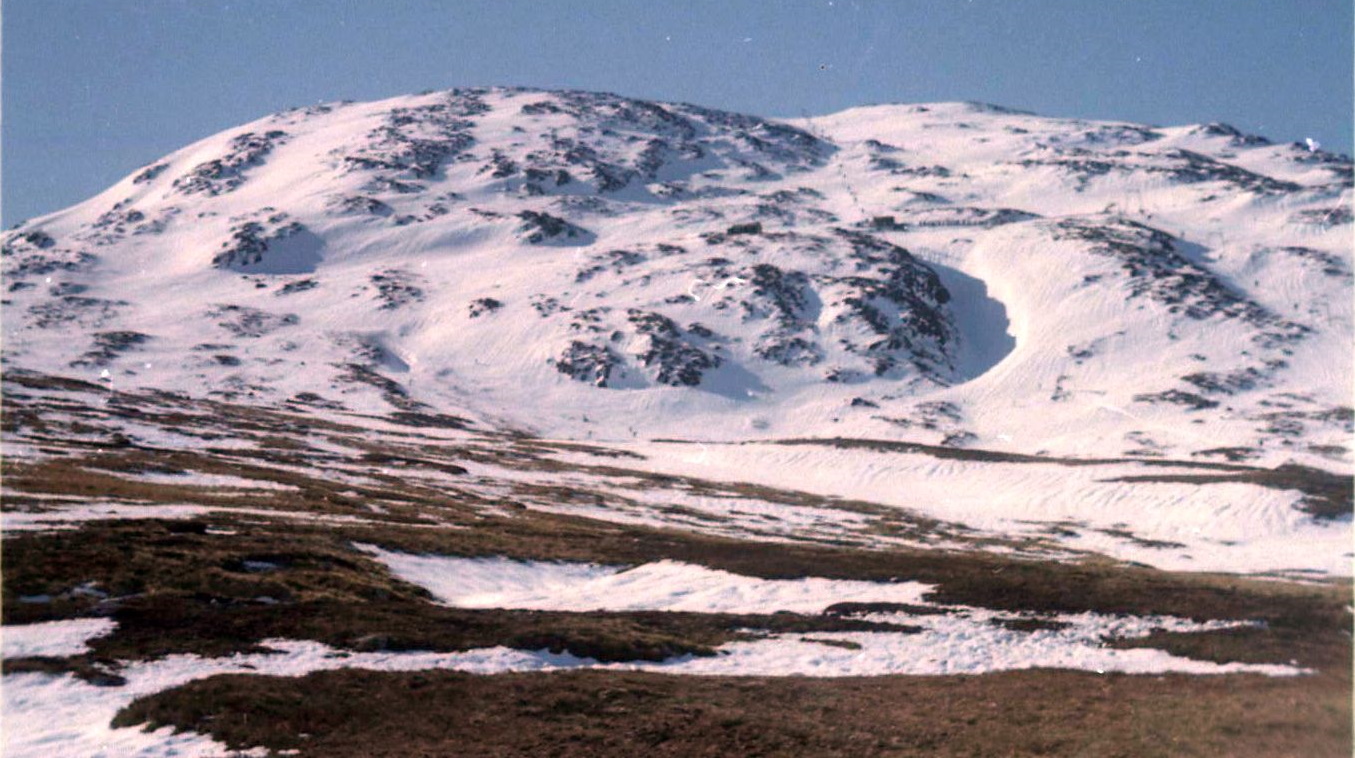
(504, 380)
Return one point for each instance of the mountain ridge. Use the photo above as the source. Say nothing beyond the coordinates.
(583, 263)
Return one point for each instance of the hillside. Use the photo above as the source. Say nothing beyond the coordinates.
(513, 422)
(593, 267)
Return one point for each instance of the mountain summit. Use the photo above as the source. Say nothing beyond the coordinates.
(592, 266)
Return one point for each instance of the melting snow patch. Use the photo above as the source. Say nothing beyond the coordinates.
(969, 641)
(214, 480)
(62, 715)
(197, 479)
(962, 648)
(69, 518)
(955, 639)
(661, 586)
(45, 712)
(52, 638)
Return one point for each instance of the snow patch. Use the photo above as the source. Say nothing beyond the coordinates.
(45, 713)
(660, 586)
(51, 638)
(955, 639)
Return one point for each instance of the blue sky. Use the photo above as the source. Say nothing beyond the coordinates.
(93, 89)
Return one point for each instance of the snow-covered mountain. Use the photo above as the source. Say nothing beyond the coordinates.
(596, 267)
(905, 392)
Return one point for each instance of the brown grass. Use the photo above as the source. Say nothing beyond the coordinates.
(177, 586)
(594, 713)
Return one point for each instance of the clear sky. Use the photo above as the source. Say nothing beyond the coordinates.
(93, 89)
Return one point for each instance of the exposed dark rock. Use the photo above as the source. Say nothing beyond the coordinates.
(109, 345)
(1083, 169)
(243, 321)
(965, 216)
(1334, 216)
(616, 260)
(391, 391)
(547, 306)
(1157, 270)
(484, 305)
(500, 166)
(538, 228)
(74, 310)
(667, 135)
(61, 289)
(782, 297)
(1177, 397)
(937, 171)
(149, 173)
(900, 308)
(416, 142)
(589, 321)
(23, 258)
(38, 238)
(1212, 383)
(583, 362)
(1234, 454)
(396, 288)
(1115, 134)
(227, 173)
(362, 205)
(959, 439)
(1331, 265)
(1195, 167)
(301, 285)
(269, 242)
(1236, 137)
(678, 362)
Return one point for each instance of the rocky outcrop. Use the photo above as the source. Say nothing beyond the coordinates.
(227, 173)
(591, 364)
(542, 228)
(668, 352)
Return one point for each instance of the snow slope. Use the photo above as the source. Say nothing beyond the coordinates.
(1114, 509)
(585, 265)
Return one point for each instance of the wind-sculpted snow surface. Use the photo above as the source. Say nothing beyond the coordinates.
(575, 264)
